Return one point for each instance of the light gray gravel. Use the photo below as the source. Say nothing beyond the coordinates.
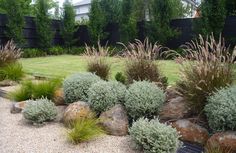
(16, 136)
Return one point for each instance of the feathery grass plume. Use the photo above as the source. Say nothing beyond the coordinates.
(97, 62)
(84, 129)
(207, 66)
(141, 64)
(9, 53)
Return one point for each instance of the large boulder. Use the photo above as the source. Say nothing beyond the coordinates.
(174, 109)
(76, 110)
(224, 140)
(115, 121)
(58, 97)
(191, 132)
(17, 107)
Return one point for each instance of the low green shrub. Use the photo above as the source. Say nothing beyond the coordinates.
(154, 137)
(13, 71)
(143, 99)
(104, 95)
(33, 90)
(84, 129)
(40, 111)
(76, 86)
(120, 77)
(221, 110)
(56, 50)
(76, 50)
(33, 52)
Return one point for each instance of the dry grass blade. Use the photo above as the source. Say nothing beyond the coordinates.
(9, 53)
(143, 50)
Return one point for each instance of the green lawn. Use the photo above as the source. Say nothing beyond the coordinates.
(68, 64)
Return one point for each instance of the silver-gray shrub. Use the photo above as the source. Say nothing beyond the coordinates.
(76, 86)
(40, 111)
(221, 110)
(154, 137)
(143, 99)
(104, 95)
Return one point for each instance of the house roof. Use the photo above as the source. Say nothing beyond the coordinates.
(83, 2)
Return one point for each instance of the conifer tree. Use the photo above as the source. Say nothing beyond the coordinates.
(43, 25)
(68, 23)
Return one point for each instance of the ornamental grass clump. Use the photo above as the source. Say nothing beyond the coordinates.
(104, 95)
(143, 99)
(153, 137)
(84, 129)
(141, 64)
(11, 71)
(36, 90)
(9, 53)
(207, 66)
(40, 110)
(97, 60)
(76, 86)
(221, 110)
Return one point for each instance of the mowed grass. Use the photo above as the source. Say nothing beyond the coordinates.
(64, 65)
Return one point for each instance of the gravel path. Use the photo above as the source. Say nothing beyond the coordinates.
(16, 136)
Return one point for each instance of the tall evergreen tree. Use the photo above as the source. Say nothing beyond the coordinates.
(128, 21)
(96, 22)
(111, 10)
(68, 23)
(16, 22)
(161, 14)
(43, 25)
(213, 16)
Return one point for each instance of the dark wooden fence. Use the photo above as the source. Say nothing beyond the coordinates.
(185, 27)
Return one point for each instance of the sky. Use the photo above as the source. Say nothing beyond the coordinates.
(73, 1)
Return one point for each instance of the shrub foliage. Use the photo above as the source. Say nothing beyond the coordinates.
(13, 71)
(143, 99)
(221, 110)
(76, 86)
(40, 111)
(104, 95)
(154, 137)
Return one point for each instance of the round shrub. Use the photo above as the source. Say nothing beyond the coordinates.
(40, 111)
(221, 110)
(76, 86)
(104, 95)
(154, 137)
(143, 99)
